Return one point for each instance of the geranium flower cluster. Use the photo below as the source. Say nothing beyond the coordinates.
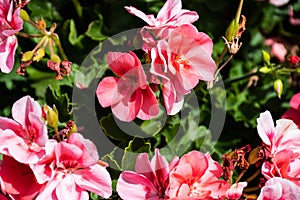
(35, 167)
(179, 57)
(280, 156)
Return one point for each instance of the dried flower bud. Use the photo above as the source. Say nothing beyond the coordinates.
(278, 87)
(66, 68)
(41, 24)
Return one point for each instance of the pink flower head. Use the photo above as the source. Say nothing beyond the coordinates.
(74, 169)
(279, 188)
(294, 112)
(197, 177)
(171, 14)
(236, 190)
(26, 135)
(278, 49)
(169, 17)
(11, 23)
(150, 179)
(181, 61)
(129, 96)
(18, 179)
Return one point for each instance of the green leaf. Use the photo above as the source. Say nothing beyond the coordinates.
(73, 38)
(94, 30)
(61, 101)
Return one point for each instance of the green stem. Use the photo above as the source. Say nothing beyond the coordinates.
(221, 56)
(239, 10)
(59, 47)
(232, 80)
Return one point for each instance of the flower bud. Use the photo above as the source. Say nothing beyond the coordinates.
(55, 58)
(39, 54)
(50, 115)
(266, 57)
(294, 59)
(254, 156)
(232, 30)
(24, 15)
(278, 87)
(27, 56)
(264, 70)
(41, 24)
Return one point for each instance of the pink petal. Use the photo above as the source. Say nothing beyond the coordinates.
(127, 109)
(48, 192)
(23, 107)
(106, 91)
(295, 102)
(135, 186)
(265, 127)
(89, 150)
(66, 152)
(6, 123)
(161, 168)
(293, 115)
(150, 106)
(143, 166)
(121, 63)
(67, 189)
(25, 185)
(173, 101)
(95, 179)
(184, 17)
(279, 188)
(170, 9)
(38, 130)
(7, 54)
(149, 19)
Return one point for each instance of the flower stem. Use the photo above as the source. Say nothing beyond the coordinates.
(253, 176)
(25, 35)
(232, 80)
(59, 47)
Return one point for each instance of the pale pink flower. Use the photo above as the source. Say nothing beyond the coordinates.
(26, 135)
(18, 179)
(72, 169)
(129, 96)
(181, 61)
(236, 190)
(150, 179)
(278, 2)
(281, 147)
(279, 189)
(283, 136)
(197, 176)
(170, 14)
(169, 17)
(294, 112)
(278, 49)
(11, 23)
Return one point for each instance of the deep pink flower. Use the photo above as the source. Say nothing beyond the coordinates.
(18, 179)
(197, 177)
(279, 188)
(181, 61)
(129, 96)
(26, 135)
(150, 179)
(236, 190)
(294, 112)
(11, 23)
(71, 169)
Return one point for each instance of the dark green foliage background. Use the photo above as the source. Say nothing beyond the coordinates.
(84, 24)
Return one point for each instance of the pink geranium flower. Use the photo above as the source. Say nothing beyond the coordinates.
(129, 96)
(71, 169)
(197, 177)
(18, 179)
(181, 61)
(279, 188)
(278, 49)
(169, 17)
(149, 181)
(294, 112)
(281, 147)
(11, 23)
(26, 135)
